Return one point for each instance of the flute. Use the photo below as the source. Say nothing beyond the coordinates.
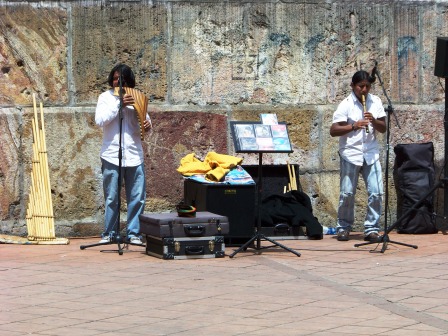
(365, 110)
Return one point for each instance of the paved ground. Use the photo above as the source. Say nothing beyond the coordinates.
(334, 288)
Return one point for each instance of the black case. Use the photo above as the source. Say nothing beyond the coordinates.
(170, 248)
(162, 225)
(284, 231)
(236, 202)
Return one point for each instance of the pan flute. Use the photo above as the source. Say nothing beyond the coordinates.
(140, 105)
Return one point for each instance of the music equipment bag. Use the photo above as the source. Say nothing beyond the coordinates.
(414, 177)
(171, 225)
(170, 248)
(169, 236)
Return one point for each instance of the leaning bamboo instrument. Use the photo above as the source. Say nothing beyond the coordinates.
(39, 215)
(292, 185)
(140, 105)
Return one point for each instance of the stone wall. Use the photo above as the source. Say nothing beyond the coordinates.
(203, 64)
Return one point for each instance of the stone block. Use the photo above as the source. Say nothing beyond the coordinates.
(123, 33)
(33, 54)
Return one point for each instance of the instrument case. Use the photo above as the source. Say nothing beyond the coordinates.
(170, 248)
(204, 224)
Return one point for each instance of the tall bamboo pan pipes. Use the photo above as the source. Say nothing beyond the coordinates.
(39, 214)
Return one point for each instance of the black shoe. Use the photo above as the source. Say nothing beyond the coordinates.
(373, 237)
(343, 235)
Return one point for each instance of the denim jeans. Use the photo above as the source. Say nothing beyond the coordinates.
(135, 187)
(374, 184)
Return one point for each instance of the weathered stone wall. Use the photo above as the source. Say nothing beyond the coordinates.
(204, 63)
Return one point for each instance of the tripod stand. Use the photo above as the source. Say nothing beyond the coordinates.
(385, 237)
(258, 236)
(115, 236)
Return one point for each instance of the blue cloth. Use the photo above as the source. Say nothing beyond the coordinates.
(135, 187)
(237, 175)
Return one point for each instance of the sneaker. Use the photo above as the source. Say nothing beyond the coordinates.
(105, 240)
(135, 240)
(373, 237)
(343, 235)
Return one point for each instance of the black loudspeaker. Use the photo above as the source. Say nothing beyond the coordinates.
(441, 63)
(236, 202)
(414, 176)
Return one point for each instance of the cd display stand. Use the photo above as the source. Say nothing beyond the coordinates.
(255, 137)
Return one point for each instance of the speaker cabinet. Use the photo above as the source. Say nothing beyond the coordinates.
(441, 63)
(236, 202)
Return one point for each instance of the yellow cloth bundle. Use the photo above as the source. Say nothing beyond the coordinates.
(190, 165)
(222, 160)
(215, 166)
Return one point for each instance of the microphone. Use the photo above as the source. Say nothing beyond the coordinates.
(121, 84)
(373, 73)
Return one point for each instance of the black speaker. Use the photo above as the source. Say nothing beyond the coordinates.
(414, 176)
(441, 64)
(236, 202)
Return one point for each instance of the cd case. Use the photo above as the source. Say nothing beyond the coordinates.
(258, 137)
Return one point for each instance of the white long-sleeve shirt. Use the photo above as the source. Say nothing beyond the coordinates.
(357, 146)
(107, 117)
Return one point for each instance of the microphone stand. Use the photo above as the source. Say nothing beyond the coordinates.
(258, 234)
(115, 236)
(385, 237)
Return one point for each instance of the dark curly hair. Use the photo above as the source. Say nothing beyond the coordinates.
(127, 75)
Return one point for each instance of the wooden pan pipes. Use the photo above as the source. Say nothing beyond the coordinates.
(140, 105)
(39, 215)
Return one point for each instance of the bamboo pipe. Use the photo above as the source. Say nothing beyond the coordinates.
(40, 213)
(294, 178)
(40, 210)
(48, 206)
(292, 185)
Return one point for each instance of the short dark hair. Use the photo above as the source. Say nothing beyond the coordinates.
(127, 75)
(362, 75)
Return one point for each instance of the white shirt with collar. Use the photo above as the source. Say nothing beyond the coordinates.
(107, 116)
(357, 146)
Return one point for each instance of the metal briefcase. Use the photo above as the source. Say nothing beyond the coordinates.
(205, 224)
(185, 247)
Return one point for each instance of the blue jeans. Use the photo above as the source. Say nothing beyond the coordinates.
(374, 184)
(135, 187)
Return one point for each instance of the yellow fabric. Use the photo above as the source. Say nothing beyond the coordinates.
(217, 174)
(222, 160)
(215, 166)
(190, 165)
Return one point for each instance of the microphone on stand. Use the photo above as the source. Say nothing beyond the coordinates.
(373, 73)
(121, 84)
(373, 76)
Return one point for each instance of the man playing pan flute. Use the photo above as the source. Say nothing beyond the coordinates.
(107, 116)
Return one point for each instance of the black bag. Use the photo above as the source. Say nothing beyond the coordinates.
(293, 208)
(414, 177)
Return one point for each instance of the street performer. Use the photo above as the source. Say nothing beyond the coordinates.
(107, 116)
(356, 122)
